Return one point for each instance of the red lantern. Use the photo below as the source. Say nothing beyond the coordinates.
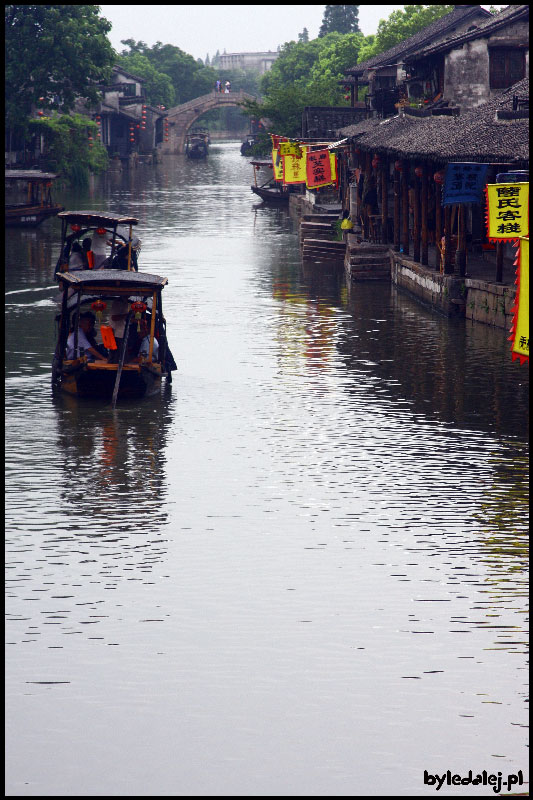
(398, 166)
(419, 172)
(375, 161)
(438, 177)
(100, 231)
(138, 308)
(75, 228)
(99, 306)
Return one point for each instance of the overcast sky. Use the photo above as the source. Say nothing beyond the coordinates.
(202, 29)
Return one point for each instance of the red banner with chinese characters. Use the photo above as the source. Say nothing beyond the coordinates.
(318, 168)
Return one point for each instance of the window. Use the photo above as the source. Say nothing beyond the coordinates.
(506, 67)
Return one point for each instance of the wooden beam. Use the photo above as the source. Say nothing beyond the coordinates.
(405, 206)
(416, 219)
(397, 202)
(438, 223)
(424, 215)
(384, 199)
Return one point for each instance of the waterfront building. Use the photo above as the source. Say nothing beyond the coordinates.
(257, 62)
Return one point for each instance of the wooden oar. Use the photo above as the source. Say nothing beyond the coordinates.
(121, 361)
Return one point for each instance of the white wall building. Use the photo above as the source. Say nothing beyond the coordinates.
(260, 62)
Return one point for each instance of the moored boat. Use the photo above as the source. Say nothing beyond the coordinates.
(270, 191)
(38, 204)
(109, 363)
(197, 143)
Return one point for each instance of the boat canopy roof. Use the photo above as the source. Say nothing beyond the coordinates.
(91, 218)
(29, 175)
(261, 163)
(109, 279)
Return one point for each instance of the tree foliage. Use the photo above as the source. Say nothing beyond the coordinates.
(401, 25)
(305, 74)
(340, 19)
(68, 148)
(157, 85)
(188, 77)
(54, 55)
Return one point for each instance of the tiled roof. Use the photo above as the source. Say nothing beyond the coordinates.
(505, 17)
(476, 135)
(418, 40)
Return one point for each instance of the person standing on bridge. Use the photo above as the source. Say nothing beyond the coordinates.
(228, 87)
(218, 85)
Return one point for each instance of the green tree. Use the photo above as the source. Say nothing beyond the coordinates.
(188, 78)
(340, 19)
(303, 36)
(54, 55)
(401, 25)
(157, 86)
(67, 147)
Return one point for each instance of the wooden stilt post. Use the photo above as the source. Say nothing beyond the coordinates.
(448, 266)
(397, 201)
(384, 200)
(416, 220)
(438, 224)
(424, 215)
(499, 262)
(405, 206)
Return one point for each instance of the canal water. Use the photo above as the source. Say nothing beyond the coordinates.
(302, 570)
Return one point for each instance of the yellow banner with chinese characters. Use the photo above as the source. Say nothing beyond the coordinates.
(520, 327)
(294, 168)
(290, 149)
(507, 211)
(277, 162)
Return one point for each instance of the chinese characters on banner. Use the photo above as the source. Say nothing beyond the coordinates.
(277, 162)
(290, 149)
(294, 168)
(507, 211)
(318, 168)
(463, 183)
(520, 327)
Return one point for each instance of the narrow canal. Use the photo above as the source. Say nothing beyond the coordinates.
(302, 571)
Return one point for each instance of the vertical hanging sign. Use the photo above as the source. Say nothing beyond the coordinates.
(520, 327)
(507, 211)
(294, 167)
(318, 168)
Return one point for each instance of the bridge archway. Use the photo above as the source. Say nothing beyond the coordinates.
(181, 118)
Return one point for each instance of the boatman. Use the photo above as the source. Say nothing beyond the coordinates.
(85, 333)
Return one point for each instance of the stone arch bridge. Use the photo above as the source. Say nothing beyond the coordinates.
(181, 118)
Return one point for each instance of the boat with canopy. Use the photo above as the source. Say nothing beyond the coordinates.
(86, 236)
(37, 204)
(107, 362)
(271, 191)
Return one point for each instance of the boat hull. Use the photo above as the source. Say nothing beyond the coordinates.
(29, 216)
(271, 195)
(98, 381)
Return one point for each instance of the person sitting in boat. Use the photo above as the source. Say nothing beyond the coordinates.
(144, 348)
(86, 341)
(98, 247)
(87, 253)
(76, 260)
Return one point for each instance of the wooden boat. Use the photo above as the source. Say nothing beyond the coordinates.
(115, 230)
(197, 143)
(38, 204)
(128, 375)
(246, 146)
(270, 191)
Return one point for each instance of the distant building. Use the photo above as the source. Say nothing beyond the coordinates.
(260, 62)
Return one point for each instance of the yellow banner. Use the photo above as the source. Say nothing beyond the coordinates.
(294, 170)
(290, 149)
(277, 161)
(521, 320)
(507, 211)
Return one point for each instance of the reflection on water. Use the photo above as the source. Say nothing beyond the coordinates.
(303, 570)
